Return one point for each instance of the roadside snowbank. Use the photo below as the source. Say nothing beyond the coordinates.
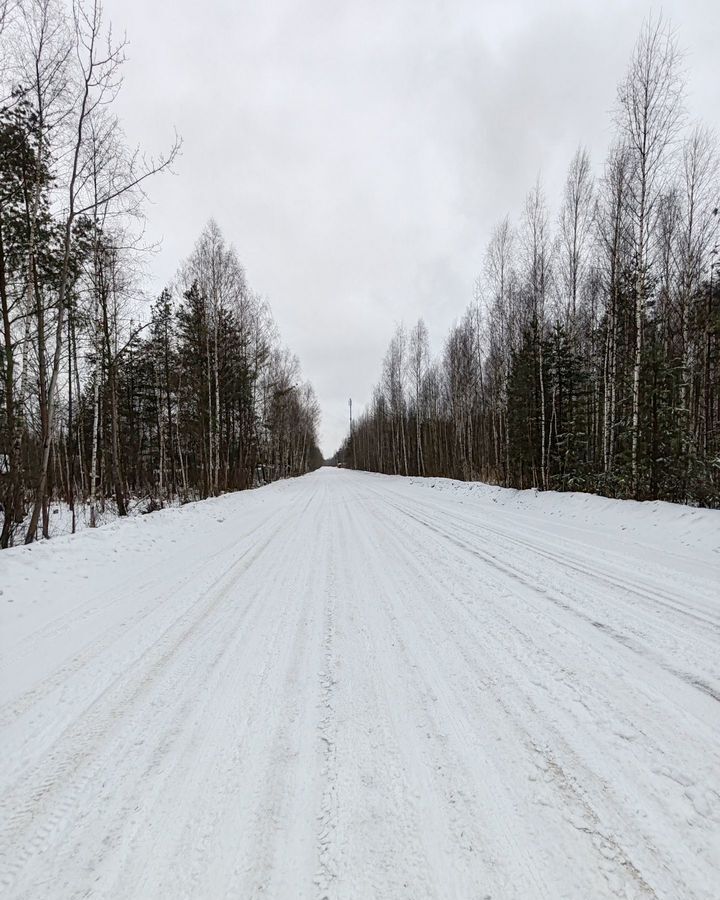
(649, 522)
(50, 576)
(60, 516)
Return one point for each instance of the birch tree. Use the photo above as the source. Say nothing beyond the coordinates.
(650, 115)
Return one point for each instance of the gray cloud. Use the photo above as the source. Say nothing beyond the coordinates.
(358, 154)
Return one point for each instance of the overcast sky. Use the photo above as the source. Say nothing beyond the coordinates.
(357, 154)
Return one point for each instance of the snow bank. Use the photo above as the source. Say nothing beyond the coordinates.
(60, 515)
(651, 522)
(49, 576)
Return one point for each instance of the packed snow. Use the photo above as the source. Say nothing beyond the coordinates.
(358, 686)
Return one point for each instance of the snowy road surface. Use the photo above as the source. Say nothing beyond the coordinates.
(357, 686)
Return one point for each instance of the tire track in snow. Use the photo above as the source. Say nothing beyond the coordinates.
(370, 708)
(627, 581)
(99, 647)
(74, 761)
(369, 836)
(576, 811)
(275, 858)
(327, 735)
(404, 542)
(566, 602)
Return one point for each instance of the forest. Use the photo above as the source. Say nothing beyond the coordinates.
(110, 398)
(589, 359)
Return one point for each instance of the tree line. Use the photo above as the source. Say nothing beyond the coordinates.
(589, 358)
(101, 401)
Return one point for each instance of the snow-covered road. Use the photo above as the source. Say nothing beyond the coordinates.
(355, 686)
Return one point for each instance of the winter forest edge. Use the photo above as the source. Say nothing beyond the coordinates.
(590, 357)
(102, 403)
